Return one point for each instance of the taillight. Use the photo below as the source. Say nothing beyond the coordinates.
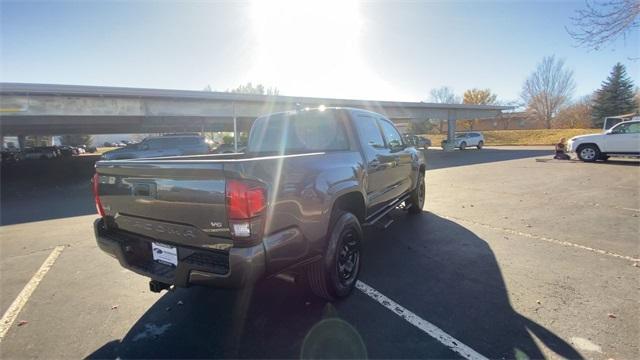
(96, 195)
(246, 203)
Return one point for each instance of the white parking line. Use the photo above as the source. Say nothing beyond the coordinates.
(544, 238)
(12, 313)
(422, 324)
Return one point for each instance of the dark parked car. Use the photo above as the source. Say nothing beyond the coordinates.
(10, 156)
(55, 149)
(229, 149)
(40, 152)
(67, 150)
(159, 146)
(419, 142)
(294, 203)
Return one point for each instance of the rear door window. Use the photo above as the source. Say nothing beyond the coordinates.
(369, 132)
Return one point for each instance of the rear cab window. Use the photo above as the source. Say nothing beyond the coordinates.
(305, 131)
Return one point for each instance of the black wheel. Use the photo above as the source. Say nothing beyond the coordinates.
(416, 200)
(588, 153)
(480, 144)
(336, 274)
(463, 145)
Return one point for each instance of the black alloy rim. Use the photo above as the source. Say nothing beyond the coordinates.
(348, 257)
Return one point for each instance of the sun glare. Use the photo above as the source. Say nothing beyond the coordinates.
(312, 48)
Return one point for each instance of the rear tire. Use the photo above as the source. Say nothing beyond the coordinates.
(416, 199)
(463, 145)
(588, 153)
(335, 275)
(480, 144)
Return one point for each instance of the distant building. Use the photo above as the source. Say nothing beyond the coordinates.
(510, 121)
(505, 121)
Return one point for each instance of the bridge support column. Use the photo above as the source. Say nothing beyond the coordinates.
(235, 129)
(21, 141)
(451, 130)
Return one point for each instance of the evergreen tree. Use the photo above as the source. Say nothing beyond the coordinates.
(615, 96)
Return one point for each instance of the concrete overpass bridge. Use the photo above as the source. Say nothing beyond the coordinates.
(48, 109)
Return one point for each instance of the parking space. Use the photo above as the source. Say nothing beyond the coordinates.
(517, 254)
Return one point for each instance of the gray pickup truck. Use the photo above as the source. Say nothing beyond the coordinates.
(293, 205)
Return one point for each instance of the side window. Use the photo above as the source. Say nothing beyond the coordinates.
(621, 129)
(164, 143)
(369, 132)
(634, 128)
(392, 135)
(189, 141)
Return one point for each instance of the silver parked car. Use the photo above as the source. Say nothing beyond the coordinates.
(466, 139)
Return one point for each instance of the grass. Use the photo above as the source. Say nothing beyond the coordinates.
(522, 137)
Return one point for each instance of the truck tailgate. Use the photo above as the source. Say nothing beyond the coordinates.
(180, 202)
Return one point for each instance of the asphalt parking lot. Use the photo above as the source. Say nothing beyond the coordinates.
(516, 255)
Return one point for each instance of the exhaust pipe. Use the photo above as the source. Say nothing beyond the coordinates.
(157, 286)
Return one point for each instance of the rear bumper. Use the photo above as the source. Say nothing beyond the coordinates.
(231, 269)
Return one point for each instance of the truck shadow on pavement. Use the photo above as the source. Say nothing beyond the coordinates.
(432, 266)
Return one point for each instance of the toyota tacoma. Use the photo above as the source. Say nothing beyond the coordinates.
(293, 205)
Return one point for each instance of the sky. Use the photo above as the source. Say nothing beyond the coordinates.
(377, 50)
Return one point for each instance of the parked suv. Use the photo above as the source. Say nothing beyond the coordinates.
(621, 140)
(159, 146)
(464, 140)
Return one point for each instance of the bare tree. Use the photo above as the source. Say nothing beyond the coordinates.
(576, 115)
(443, 95)
(548, 89)
(258, 89)
(602, 22)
